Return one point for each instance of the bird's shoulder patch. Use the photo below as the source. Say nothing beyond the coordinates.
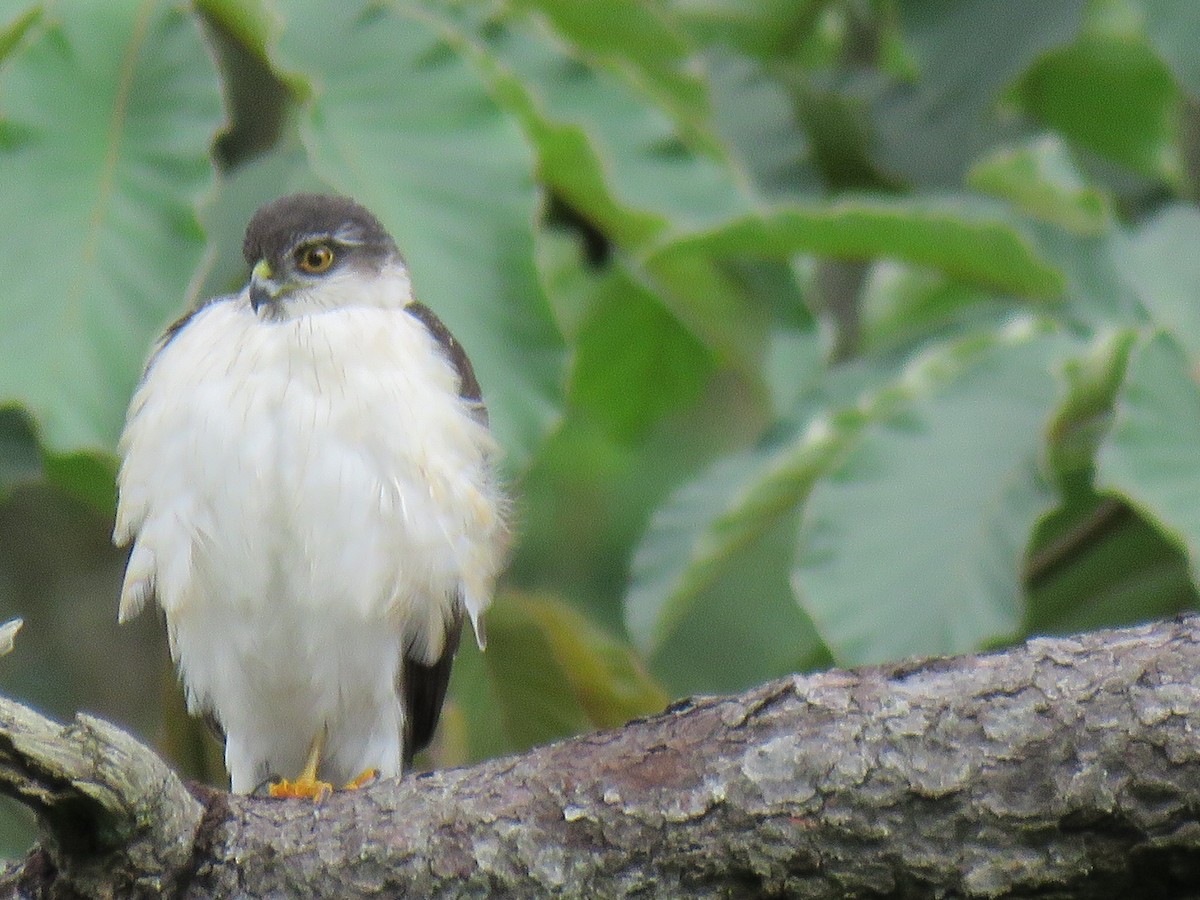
(172, 331)
(469, 388)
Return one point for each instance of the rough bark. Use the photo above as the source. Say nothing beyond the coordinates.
(1063, 768)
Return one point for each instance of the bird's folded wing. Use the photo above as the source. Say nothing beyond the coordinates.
(423, 690)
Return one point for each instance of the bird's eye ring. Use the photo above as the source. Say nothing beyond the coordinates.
(315, 258)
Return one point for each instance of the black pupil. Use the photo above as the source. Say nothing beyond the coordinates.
(316, 257)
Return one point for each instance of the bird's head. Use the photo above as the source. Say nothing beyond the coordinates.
(313, 252)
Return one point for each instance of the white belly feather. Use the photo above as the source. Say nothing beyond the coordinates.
(308, 499)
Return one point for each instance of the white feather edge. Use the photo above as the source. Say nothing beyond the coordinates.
(138, 586)
(8, 632)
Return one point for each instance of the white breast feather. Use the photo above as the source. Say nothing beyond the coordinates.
(306, 499)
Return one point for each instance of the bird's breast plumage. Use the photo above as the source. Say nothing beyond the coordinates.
(308, 499)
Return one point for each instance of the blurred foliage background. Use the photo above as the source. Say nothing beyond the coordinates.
(816, 331)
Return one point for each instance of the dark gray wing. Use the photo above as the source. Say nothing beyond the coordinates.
(468, 388)
(423, 689)
(424, 692)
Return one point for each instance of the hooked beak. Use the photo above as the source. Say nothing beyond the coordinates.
(263, 288)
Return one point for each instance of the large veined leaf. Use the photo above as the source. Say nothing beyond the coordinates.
(1172, 26)
(634, 361)
(1111, 95)
(555, 674)
(108, 112)
(741, 626)
(1104, 565)
(1040, 178)
(400, 120)
(622, 163)
(966, 53)
(1152, 455)
(700, 533)
(624, 166)
(639, 38)
(1161, 265)
(677, 558)
(707, 528)
(914, 545)
(627, 168)
(757, 119)
(969, 240)
(902, 307)
(1092, 266)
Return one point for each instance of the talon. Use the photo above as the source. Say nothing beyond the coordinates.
(368, 776)
(301, 789)
(307, 786)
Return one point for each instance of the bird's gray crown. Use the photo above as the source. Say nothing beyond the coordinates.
(279, 226)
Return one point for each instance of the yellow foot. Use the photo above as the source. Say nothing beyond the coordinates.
(368, 776)
(302, 788)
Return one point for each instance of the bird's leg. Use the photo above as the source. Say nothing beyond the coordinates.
(306, 785)
(367, 776)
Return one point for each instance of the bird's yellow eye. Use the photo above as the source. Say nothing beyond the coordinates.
(315, 258)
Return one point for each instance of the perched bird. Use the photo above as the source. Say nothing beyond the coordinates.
(311, 491)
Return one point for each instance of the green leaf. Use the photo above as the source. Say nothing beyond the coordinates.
(634, 362)
(764, 29)
(1161, 264)
(967, 52)
(743, 627)
(1101, 565)
(609, 681)
(556, 674)
(639, 38)
(117, 106)
(473, 724)
(1041, 180)
(903, 306)
(970, 241)
(17, 28)
(688, 540)
(537, 704)
(1093, 266)
(569, 281)
(793, 356)
(1172, 26)
(1152, 455)
(757, 119)
(700, 531)
(711, 553)
(90, 477)
(1113, 96)
(586, 499)
(914, 545)
(1080, 425)
(624, 167)
(400, 120)
(251, 22)
(620, 162)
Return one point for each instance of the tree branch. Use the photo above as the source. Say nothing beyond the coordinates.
(1064, 768)
(110, 813)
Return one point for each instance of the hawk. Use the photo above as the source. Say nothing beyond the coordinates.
(312, 496)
